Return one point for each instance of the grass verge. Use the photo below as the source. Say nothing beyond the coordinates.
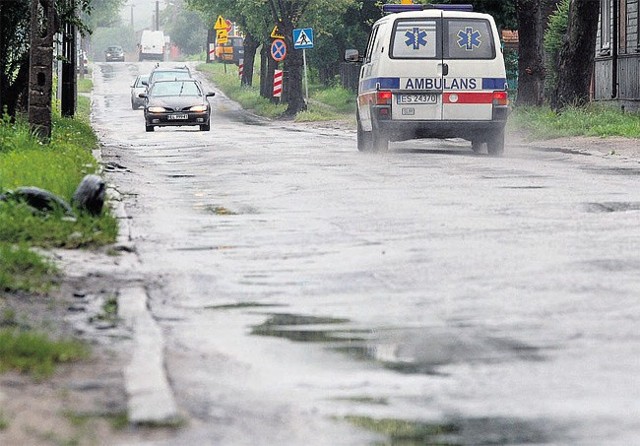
(593, 120)
(325, 103)
(34, 353)
(58, 167)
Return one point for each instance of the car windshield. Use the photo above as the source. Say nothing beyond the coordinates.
(175, 89)
(114, 48)
(160, 75)
(140, 80)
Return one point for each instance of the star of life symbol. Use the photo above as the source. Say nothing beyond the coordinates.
(416, 37)
(469, 39)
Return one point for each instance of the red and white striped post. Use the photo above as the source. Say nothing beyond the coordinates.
(277, 83)
(240, 68)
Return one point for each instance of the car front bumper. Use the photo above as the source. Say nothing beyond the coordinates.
(164, 119)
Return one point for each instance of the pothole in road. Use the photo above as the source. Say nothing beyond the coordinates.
(457, 431)
(404, 350)
(613, 206)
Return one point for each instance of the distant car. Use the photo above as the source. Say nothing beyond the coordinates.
(138, 87)
(114, 53)
(164, 73)
(177, 103)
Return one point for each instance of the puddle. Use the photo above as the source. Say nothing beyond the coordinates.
(404, 350)
(613, 206)
(307, 329)
(240, 305)
(614, 170)
(560, 150)
(218, 210)
(456, 431)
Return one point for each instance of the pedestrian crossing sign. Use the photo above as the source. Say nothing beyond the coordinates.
(302, 38)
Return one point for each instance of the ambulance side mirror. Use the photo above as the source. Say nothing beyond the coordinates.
(352, 55)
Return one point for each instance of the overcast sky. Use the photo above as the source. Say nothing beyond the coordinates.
(142, 12)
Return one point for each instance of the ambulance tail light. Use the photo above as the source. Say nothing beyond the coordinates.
(500, 98)
(383, 97)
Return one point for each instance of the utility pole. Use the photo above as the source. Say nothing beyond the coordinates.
(132, 5)
(157, 15)
(42, 29)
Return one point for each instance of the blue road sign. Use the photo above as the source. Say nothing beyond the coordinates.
(302, 38)
(278, 50)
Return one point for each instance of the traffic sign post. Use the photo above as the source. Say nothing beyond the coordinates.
(303, 39)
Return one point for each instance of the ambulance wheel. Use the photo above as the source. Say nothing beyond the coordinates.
(380, 142)
(495, 144)
(476, 145)
(363, 138)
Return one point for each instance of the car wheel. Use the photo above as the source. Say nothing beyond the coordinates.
(205, 127)
(363, 138)
(380, 141)
(149, 128)
(476, 145)
(495, 144)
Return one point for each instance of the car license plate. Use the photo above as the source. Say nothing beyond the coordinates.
(177, 116)
(415, 98)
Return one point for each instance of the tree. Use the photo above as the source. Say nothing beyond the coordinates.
(14, 56)
(577, 55)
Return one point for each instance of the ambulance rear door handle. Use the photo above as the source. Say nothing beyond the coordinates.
(445, 69)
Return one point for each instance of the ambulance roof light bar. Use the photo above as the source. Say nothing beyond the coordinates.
(390, 9)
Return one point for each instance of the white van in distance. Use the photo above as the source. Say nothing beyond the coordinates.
(432, 71)
(151, 45)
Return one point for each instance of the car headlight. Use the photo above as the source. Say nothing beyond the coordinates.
(156, 109)
(198, 108)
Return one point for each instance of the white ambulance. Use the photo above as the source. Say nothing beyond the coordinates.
(432, 71)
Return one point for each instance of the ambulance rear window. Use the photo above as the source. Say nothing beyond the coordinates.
(422, 38)
(416, 39)
(469, 39)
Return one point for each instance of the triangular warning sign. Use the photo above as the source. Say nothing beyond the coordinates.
(303, 39)
(220, 23)
(276, 34)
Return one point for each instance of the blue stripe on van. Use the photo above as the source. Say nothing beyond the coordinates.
(494, 83)
(387, 83)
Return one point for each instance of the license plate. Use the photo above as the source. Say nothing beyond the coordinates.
(177, 116)
(416, 98)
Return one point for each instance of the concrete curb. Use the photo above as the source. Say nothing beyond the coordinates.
(150, 398)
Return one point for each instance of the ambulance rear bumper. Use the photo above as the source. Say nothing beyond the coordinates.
(400, 130)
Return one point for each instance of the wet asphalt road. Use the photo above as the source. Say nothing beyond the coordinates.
(299, 282)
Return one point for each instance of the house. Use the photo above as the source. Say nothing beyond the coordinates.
(617, 61)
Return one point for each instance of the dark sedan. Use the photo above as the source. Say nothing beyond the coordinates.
(177, 102)
(114, 54)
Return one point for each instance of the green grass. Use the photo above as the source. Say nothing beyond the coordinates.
(248, 97)
(35, 353)
(85, 85)
(325, 103)
(404, 432)
(594, 120)
(23, 269)
(57, 166)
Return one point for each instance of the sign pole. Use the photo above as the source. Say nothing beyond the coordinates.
(306, 81)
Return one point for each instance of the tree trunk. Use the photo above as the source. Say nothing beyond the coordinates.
(577, 55)
(41, 63)
(292, 93)
(250, 47)
(531, 69)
